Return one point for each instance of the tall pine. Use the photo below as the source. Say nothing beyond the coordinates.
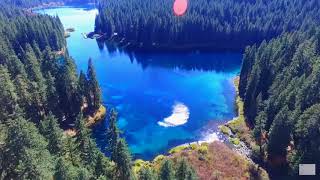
(123, 161)
(8, 96)
(167, 170)
(94, 96)
(112, 135)
(185, 171)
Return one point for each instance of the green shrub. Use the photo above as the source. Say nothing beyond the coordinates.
(234, 141)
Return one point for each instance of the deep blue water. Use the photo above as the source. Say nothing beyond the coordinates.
(145, 88)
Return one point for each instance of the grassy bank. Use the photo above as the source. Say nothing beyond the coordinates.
(238, 128)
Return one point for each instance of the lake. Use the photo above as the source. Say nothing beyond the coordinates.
(163, 99)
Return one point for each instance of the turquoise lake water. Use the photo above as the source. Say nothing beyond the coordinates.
(163, 99)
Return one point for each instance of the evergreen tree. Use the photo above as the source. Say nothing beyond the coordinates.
(83, 87)
(8, 96)
(185, 171)
(71, 152)
(279, 136)
(25, 155)
(94, 97)
(123, 161)
(85, 145)
(104, 167)
(167, 170)
(146, 173)
(65, 170)
(259, 130)
(112, 135)
(32, 65)
(52, 96)
(16, 67)
(50, 129)
(307, 131)
(70, 101)
(49, 62)
(22, 85)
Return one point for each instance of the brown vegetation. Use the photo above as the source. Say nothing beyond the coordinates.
(220, 162)
(90, 120)
(97, 116)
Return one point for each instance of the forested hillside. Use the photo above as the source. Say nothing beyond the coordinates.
(41, 94)
(207, 24)
(280, 86)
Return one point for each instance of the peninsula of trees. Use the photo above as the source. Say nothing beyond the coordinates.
(207, 24)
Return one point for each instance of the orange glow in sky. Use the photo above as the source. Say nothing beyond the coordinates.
(180, 7)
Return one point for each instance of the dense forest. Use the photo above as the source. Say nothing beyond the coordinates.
(280, 85)
(41, 94)
(207, 24)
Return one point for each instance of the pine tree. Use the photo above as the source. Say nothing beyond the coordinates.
(50, 129)
(38, 86)
(52, 96)
(15, 66)
(104, 167)
(36, 50)
(8, 96)
(26, 156)
(123, 161)
(83, 87)
(94, 98)
(22, 85)
(83, 139)
(85, 145)
(167, 170)
(65, 170)
(70, 101)
(112, 135)
(307, 134)
(146, 173)
(32, 65)
(185, 171)
(259, 130)
(49, 62)
(279, 135)
(71, 152)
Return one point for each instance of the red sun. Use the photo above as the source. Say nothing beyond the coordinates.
(180, 7)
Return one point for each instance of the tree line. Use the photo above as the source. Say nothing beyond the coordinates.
(280, 83)
(207, 24)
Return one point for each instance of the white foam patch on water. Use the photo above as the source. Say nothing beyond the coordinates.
(180, 115)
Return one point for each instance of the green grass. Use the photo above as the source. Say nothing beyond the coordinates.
(178, 149)
(203, 149)
(225, 130)
(234, 141)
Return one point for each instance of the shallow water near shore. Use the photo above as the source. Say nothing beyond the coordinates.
(163, 99)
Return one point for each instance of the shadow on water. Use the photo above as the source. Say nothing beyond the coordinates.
(201, 61)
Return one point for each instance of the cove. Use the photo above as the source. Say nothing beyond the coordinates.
(163, 99)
